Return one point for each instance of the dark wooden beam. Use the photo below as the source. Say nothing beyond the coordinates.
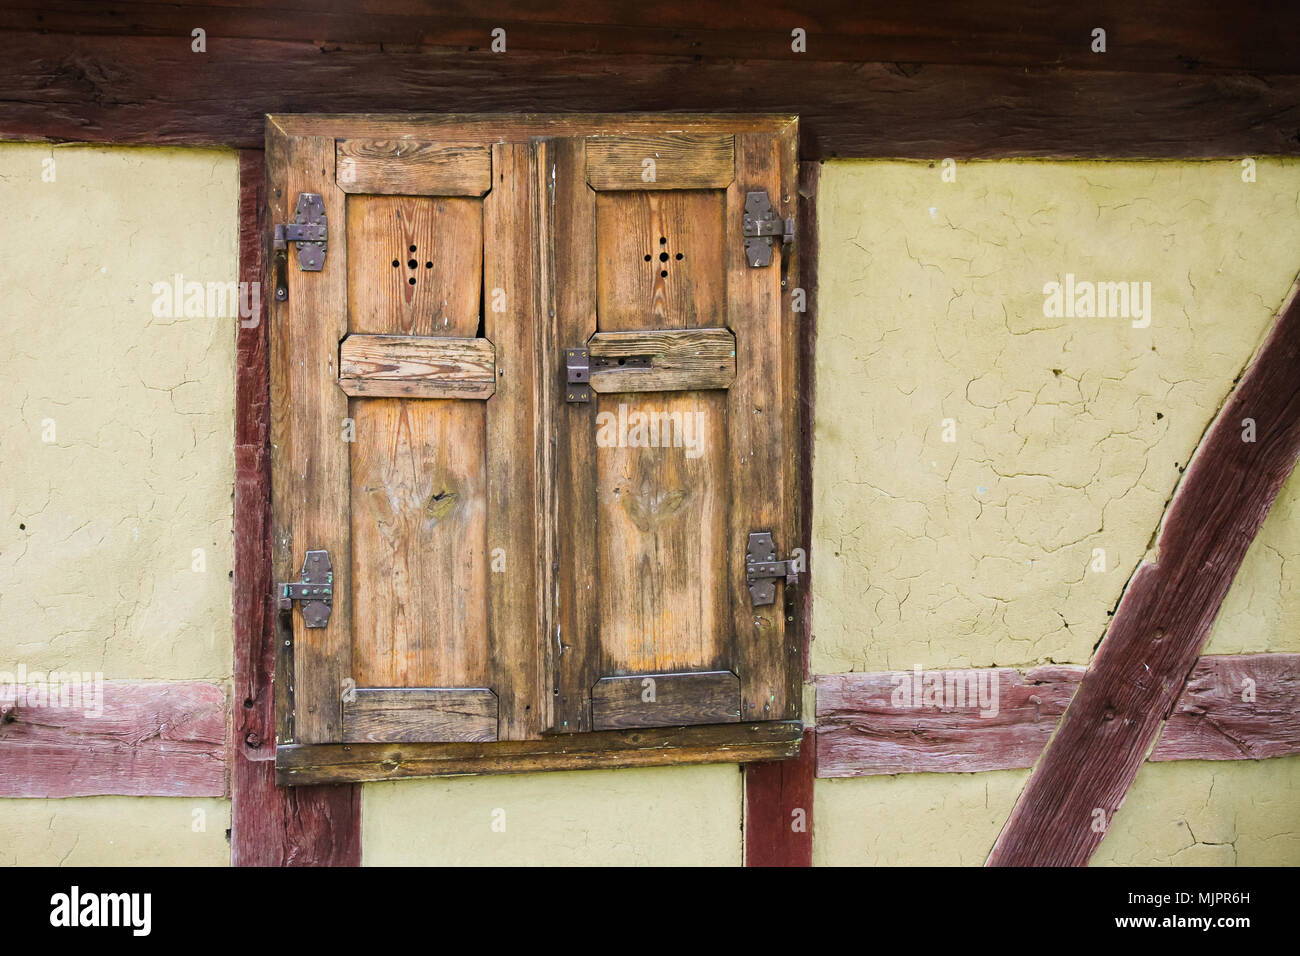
(1188, 37)
(1164, 616)
(141, 739)
(311, 826)
(146, 89)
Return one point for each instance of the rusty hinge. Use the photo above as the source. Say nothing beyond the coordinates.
(760, 227)
(577, 377)
(310, 231)
(315, 591)
(762, 568)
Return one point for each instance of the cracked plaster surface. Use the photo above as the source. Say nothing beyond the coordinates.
(1071, 433)
(100, 526)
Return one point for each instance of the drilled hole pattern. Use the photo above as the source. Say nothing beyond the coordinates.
(664, 257)
(413, 264)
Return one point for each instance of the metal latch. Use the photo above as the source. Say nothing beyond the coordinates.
(315, 591)
(760, 227)
(577, 378)
(311, 233)
(762, 568)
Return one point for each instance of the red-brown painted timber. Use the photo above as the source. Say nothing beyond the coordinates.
(779, 809)
(860, 732)
(1164, 616)
(151, 739)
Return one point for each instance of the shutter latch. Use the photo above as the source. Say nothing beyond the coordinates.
(577, 377)
(760, 227)
(762, 568)
(310, 231)
(315, 591)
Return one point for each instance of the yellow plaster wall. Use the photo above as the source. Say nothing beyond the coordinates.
(1070, 437)
(1208, 813)
(1070, 432)
(115, 831)
(660, 816)
(99, 526)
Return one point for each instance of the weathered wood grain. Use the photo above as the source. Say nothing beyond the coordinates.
(398, 715)
(778, 815)
(669, 161)
(938, 721)
(1165, 615)
(419, 573)
(150, 89)
(569, 243)
(861, 731)
(762, 444)
(1188, 38)
(515, 432)
(143, 738)
(659, 260)
(665, 700)
(679, 359)
(417, 366)
(314, 320)
(414, 265)
(1235, 707)
(412, 168)
(651, 747)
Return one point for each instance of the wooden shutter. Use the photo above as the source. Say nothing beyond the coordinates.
(511, 590)
(409, 456)
(687, 446)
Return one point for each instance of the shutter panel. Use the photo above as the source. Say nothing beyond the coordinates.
(687, 445)
(408, 460)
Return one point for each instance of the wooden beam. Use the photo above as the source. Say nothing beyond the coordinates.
(154, 89)
(417, 366)
(134, 738)
(1165, 615)
(310, 826)
(1235, 707)
(298, 764)
(860, 731)
(890, 722)
(779, 809)
(1188, 37)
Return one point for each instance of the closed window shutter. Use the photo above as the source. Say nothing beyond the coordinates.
(509, 565)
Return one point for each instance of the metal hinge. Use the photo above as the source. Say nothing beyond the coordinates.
(760, 227)
(310, 231)
(315, 591)
(762, 568)
(577, 377)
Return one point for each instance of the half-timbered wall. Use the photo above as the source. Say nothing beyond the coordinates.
(1070, 434)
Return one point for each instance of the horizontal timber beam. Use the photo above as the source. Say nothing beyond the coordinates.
(156, 90)
(1233, 707)
(297, 764)
(1174, 36)
(129, 738)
